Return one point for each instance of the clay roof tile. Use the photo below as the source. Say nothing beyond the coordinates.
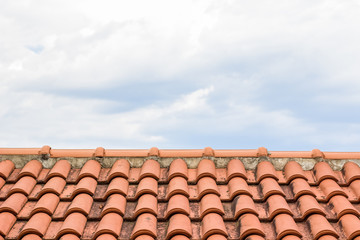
(178, 168)
(224, 197)
(60, 169)
(179, 224)
(110, 223)
(120, 168)
(6, 167)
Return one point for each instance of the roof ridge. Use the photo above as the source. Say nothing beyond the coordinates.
(169, 153)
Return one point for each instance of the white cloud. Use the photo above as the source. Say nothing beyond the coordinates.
(223, 55)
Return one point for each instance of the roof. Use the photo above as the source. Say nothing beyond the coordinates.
(202, 194)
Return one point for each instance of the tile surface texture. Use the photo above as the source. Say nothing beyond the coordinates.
(178, 202)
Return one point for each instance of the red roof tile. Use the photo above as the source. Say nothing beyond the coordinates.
(179, 194)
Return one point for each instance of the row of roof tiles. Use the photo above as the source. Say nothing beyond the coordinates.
(170, 153)
(206, 168)
(65, 203)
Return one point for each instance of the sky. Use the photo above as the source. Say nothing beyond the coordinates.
(180, 74)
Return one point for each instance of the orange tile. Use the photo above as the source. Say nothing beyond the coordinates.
(46, 204)
(330, 188)
(300, 187)
(244, 204)
(121, 168)
(237, 186)
(85, 185)
(14, 203)
(323, 171)
(147, 185)
(38, 224)
(177, 185)
(351, 172)
(69, 237)
(110, 223)
(42, 175)
(145, 225)
(216, 237)
(265, 170)
(81, 203)
(205, 168)
(277, 205)
(328, 237)
(320, 226)
(341, 205)
(31, 237)
(146, 237)
(2, 182)
(150, 168)
(307, 205)
(54, 185)
(291, 237)
(73, 224)
(213, 223)
(207, 185)
(31, 169)
(270, 186)
(6, 167)
(351, 225)
(106, 236)
(147, 203)
(99, 152)
(117, 185)
(355, 187)
(285, 225)
(90, 169)
(210, 203)
(293, 170)
(60, 169)
(115, 203)
(24, 185)
(178, 204)
(235, 168)
(257, 237)
(179, 224)
(250, 225)
(7, 220)
(154, 151)
(25, 212)
(178, 168)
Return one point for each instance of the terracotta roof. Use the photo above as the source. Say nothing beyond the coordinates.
(106, 198)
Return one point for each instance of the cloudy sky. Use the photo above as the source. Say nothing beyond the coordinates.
(180, 74)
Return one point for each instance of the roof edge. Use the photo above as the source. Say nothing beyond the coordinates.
(48, 152)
